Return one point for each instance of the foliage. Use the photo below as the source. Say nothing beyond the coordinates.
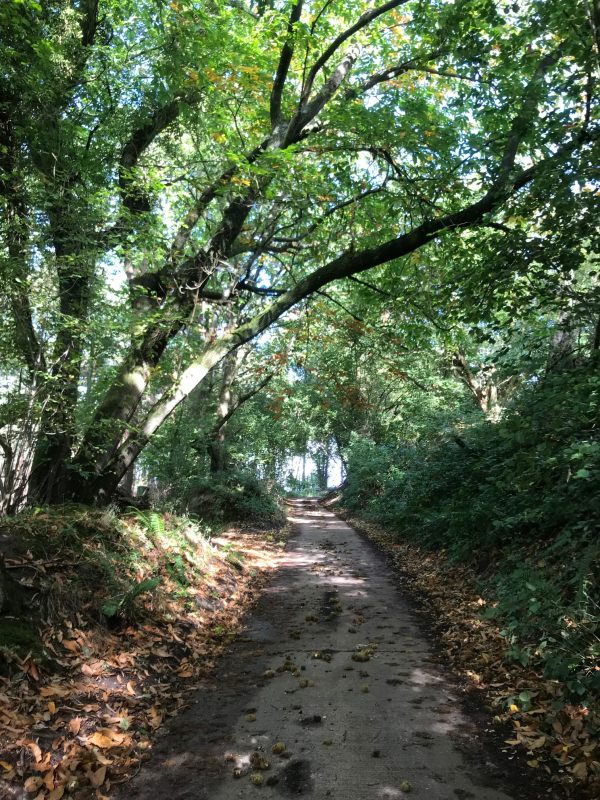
(519, 500)
(123, 605)
(236, 496)
(175, 179)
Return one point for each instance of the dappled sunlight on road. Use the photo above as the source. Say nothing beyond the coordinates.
(331, 691)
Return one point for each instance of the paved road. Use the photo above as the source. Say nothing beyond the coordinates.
(383, 726)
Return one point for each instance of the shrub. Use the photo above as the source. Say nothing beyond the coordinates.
(519, 500)
(236, 496)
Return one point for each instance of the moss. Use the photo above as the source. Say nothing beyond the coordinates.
(20, 636)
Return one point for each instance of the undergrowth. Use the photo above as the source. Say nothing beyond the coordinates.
(518, 500)
(119, 617)
(110, 569)
(236, 495)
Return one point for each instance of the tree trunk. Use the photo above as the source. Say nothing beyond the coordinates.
(322, 465)
(216, 440)
(60, 388)
(126, 485)
(563, 347)
(483, 387)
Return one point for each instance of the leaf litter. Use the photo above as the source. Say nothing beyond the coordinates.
(79, 712)
(556, 736)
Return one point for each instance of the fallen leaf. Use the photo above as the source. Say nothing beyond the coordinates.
(187, 672)
(32, 784)
(54, 691)
(106, 738)
(93, 669)
(35, 750)
(75, 725)
(98, 777)
(31, 669)
(537, 743)
(580, 770)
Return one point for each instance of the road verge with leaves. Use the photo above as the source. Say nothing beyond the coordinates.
(555, 736)
(116, 620)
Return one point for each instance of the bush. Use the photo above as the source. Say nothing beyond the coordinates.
(236, 496)
(518, 500)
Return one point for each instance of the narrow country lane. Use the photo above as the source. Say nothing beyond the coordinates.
(379, 725)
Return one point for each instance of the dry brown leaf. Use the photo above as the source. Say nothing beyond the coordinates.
(155, 718)
(36, 750)
(185, 672)
(537, 743)
(57, 793)
(54, 691)
(31, 669)
(98, 777)
(580, 770)
(101, 740)
(93, 669)
(105, 738)
(75, 725)
(32, 784)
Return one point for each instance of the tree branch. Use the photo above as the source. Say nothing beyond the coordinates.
(137, 143)
(243, 398)
(89, 21)
(285, 60)
(362, 22)
(344, 266)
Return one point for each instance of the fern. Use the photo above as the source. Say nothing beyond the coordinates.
(153, 523)
(156, 524)
(122, 605)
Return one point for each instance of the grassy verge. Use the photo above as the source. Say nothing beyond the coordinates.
(113, 620)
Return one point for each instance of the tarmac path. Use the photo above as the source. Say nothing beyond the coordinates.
(332, 665)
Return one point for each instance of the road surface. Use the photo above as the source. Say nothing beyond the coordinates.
(333, 669)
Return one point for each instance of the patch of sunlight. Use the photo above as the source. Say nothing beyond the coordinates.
(444, 727)
(337, 581)
(422, 678)
(302, 559)
(389, 792)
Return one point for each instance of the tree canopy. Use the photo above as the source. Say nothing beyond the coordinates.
(175, 177)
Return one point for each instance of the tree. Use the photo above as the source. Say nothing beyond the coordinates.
(233, 159)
